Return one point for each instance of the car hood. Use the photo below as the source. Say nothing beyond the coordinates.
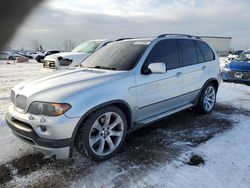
(58, 85)
(75, 56)
(239, 66)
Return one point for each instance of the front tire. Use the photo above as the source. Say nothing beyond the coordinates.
(102, 134)
(207, 99)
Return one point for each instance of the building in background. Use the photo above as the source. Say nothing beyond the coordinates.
(221, 45)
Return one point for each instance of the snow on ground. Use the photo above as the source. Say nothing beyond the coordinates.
(227, 161)
(10, 75)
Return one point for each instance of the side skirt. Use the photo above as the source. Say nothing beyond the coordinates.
(158, 117)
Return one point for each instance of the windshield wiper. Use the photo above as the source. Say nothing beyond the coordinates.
(101, 67)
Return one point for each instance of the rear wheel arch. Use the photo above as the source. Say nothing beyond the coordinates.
(214, 81)
(197, 103)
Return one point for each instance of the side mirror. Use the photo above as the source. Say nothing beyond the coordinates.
(157, 68)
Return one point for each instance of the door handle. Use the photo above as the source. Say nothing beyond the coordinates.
(178, 74)
(203, 67)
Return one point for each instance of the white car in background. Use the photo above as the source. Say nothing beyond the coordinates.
(66, 60)
(233, 55)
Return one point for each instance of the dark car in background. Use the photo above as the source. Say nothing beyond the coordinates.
(40, 58)
(238, 70)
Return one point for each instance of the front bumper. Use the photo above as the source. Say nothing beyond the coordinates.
(58, 134)
(227, 78)
(26, 133)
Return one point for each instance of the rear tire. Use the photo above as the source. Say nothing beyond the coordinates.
(207, 99)
(102, 134)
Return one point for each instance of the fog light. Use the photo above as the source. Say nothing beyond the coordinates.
(31, 117)
(42, 120)
(43, 128)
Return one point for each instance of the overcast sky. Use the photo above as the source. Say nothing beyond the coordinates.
(58, 20)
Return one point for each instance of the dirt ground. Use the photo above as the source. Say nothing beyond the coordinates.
(148, 148)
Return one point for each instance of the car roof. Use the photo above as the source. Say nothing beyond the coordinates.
(100, 40)
(163, 36)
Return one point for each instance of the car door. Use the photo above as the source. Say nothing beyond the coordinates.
(156, 93)
(192, 68)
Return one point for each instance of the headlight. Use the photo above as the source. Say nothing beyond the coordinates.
(48, 109)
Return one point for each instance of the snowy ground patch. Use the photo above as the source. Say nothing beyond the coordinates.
(153, 156)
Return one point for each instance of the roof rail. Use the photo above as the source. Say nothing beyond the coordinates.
(123, 39)
(172, 34)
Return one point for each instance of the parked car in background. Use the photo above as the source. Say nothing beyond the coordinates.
(26, 54)
(40, 58)
(123, 86)
(75, 57)
(238, 70)
(4, 55)
(233, 55)
(9, 55)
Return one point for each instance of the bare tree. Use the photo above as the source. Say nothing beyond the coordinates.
(69, 45)
(36, 45)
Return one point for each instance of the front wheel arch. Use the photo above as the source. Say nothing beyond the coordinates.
(124, 106)
(83, 141)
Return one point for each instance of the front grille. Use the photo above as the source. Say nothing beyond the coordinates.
(245, 75)
(20, 102)
(49, 64)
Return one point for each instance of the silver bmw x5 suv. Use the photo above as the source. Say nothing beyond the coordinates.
(123, 86)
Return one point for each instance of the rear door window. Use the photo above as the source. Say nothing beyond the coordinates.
(188, 52)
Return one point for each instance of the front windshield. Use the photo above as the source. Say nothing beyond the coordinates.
(87, 47)
(244, 57)
(122, 55)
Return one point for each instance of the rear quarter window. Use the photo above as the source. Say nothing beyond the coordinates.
(206, 51)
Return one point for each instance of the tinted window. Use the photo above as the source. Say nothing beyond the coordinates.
(122, 55)
(165, 51)
(206, 51)
(188, 52)
(199, 54)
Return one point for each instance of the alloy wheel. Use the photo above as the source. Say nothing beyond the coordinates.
(106, 133)
(209, 98)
